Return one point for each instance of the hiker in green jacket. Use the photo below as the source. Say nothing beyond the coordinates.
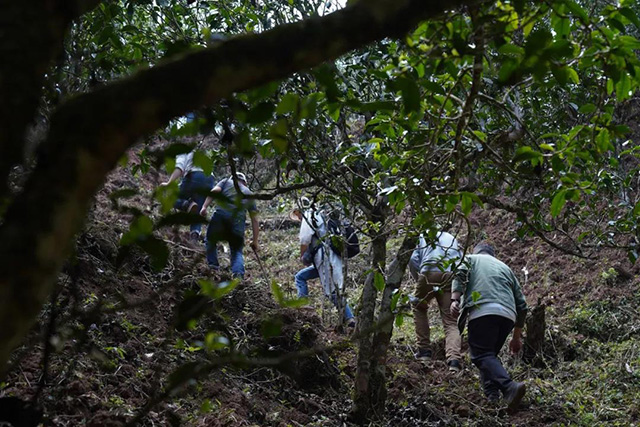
(493, 302)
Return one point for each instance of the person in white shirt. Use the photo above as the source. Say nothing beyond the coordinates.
(430, 266)
(320, 261)
(194, 188)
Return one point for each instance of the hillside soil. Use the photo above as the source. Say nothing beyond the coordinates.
(106, 346)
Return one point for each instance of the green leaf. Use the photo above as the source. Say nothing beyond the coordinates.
(480, 135)
(623, 87)
(395, 298)
(467, 204)
(577, 10)
(527, 153)
(511, 50)
(277, 292)
(399, 319)
(157, 250)
(260, 113)
(288, 104)
(378, 281)
(278, 133)
(630, 15)
(561, 74)
(410, 93)
(214, 341)
(141, 227)
(433, 87)
(558, 202)
(603, 141)
(475, 296)
(217, 290)
(201, 160)
(587, 109)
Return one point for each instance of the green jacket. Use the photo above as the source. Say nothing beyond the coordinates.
(487, 279)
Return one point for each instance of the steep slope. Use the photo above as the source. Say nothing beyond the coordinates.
(120, 329)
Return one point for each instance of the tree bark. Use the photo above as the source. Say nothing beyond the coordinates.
(381, 340)
(362, 403)
(91, 132)
(534, 340)
(31, 37)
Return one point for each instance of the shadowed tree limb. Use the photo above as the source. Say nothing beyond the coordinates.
(31, 37)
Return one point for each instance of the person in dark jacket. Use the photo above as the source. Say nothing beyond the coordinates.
(487, 293)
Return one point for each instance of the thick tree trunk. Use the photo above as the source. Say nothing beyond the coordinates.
(362, 404)
(378, 371)
(31, 37)
(92, 131)
(534, 340)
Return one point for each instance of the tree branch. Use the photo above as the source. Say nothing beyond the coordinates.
(91, 132)
(31, 37)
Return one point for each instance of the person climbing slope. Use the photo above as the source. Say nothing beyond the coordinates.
(431, 266)
(228, 221)
(320, 260)
(493, 302)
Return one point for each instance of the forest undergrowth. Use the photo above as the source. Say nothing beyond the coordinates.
(106, 345)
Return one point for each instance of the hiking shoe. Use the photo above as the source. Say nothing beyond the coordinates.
(514, 395)
(423, 354)
(193, 208)
(454, 365)
(493, 398)
(195, 236)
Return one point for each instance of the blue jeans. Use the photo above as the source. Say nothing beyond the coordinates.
(225, 226)
(194, 188)
(309, 273)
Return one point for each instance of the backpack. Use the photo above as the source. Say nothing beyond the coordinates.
(340, 235)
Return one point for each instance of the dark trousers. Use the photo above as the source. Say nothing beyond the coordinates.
(194, 187)
(487, 335)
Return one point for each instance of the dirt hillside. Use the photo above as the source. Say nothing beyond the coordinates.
(116, 330)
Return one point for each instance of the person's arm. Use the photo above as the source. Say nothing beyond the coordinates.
(515, 345)
(177, 173)
(208, 200)
(455, 302)
(255, 227)
(458, 288)
(303, 249)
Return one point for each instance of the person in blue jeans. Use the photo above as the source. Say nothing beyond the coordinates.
(323, 263)
(193, 188)
(227, 222)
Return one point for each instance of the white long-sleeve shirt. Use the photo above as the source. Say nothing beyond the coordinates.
(184, 162)
(429, 257)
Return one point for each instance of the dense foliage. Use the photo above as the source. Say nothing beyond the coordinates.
(513, 104)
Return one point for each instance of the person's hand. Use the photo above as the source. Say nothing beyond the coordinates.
(164, 184)
(254, 246)
(455, 308)
(515, 345)
(203, 212)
